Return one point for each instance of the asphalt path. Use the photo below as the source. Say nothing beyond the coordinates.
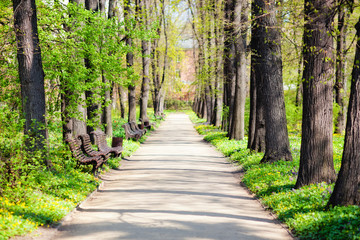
(176, 186)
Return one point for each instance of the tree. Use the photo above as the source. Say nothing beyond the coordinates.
(31, 74)
(344, 11)
(146, 51)
(92, 99)
(277, 145)
(316, 154)
(256, 138)
(218, 85)
(346, 190)
(130, 62)
(229, 66)
(237, 126)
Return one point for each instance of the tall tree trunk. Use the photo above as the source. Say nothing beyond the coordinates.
(216, 120)
(146, 51)
(67, 121)
(277, 145)
(31, 75)
(130, 63)
(340, 69)
(347, 186)
(257, 128)
(78, 123)
(237, 130)
(122, 97)
(107, 119)
(93, 107)
(316, 154)
(299, 85)
(155, 63)
(252, 113)
(229, 67)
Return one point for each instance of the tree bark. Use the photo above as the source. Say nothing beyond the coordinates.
(122, 97)
(347, 186)
(237, 130)
(229, 67)
(129, 64)
(155, 64)
(216, 120)
(316, 154)
(93, 107)
(277, 145)
(252, 113)
(31, 75)
(146, 51)
(340, 70)
(79, 125)
(257, 129)
(107, 119)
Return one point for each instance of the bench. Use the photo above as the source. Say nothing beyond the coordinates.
(102, 144)
(77, 153)
(147, 124)
(136, 128)
(88, 149)
(129, 133)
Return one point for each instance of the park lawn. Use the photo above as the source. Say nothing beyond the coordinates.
(302, 210)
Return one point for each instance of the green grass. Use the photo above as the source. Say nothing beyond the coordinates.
(303, 210)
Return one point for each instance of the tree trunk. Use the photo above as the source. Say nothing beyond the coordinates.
(107, 120)
(122, 98)
(146, 51)
(31, 75)
(237, 130)
(340, 70)
(229, 67)
(93, 107)
(79, 125)
(216, 120)
(277, 145)
(67, 121)
(252, 114)
(347, 186)
(316, 154)
(257, 129)
(129, 64)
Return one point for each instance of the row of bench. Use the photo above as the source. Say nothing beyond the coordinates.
(83, 151)
(135, 131)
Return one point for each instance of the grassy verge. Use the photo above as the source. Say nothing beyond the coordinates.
(42, 197)
(303, 210)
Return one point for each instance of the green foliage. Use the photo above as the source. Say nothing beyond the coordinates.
(293, 112)
(195, 119)
(118, 130)
(42, 198)
(303, 210)
(178, 104)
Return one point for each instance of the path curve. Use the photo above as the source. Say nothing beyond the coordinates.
(175, 186)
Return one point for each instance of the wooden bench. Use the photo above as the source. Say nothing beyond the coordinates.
(136, 128)
(129, 133)
(77, 153)
(88, 149)
(102, 144)
(147, 124)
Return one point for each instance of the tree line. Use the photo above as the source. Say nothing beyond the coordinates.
(315, 35)
(64, 65)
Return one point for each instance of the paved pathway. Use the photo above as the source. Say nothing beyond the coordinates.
(176, 186)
